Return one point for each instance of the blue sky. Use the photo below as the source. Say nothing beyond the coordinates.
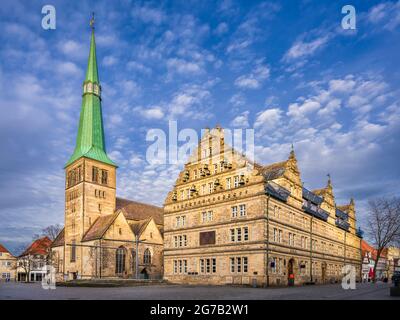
(285, 68)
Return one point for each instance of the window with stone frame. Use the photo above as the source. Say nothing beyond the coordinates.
(120, 258)
(236, 181)
(73, 251)
(233, 235)
(228, 183)
(239, 234)
(147, 256)
(245, 233)
(239, 264)
(234, 211)
(242, 209)
(104, 177)
(95, 174)
(208, 265)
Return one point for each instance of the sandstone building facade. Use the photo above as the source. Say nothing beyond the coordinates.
(7, 264)
(103, 236)
(230, 221)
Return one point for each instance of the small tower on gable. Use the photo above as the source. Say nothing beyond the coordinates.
(291, 180)
(90, 173)
(328, 203)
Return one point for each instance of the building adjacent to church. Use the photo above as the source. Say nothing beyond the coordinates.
(31, 264)
(103, 236)
(7, 264)
(237, 222)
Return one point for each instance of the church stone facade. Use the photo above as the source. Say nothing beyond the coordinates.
(103, 236)
(238, 222)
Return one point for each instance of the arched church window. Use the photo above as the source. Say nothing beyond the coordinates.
(147, 256)
(120, 257)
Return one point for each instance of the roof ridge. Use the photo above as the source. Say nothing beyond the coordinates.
(105, 230)
(146, 204)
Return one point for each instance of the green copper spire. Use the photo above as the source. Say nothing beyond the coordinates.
(90, 142)
(91, 72)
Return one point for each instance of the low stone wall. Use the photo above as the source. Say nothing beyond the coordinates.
(109, 283)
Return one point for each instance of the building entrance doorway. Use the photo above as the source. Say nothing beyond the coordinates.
(290, 272)
(323, 272)
(144, 274)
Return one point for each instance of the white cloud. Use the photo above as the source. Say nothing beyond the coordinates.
(302, 49)
(267, 120)
(183, 67)
(72, 48)
(68, 68)
(385, 15)
(109, 61)
(134, 65)
(155, 113)
(254, 79)
(149, 15)
(241, 120)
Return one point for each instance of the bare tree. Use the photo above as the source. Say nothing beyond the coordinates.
(26, 264)
(383, 224)
(51, 232)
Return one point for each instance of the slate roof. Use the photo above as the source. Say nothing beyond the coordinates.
(39, 246)
(99, 227)
(59, 240)
(134, 210)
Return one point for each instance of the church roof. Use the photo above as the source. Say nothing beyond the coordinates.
(60, 239)
(138, 227)
(39, 246)
(90, 142)
(99, 227)
(134, 210)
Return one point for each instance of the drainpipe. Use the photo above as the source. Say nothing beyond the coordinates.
(344, 258)
(311, 249)
(101, 254)
(137, 256)
(268, 240)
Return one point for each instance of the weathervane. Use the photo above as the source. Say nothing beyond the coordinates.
(92, 21)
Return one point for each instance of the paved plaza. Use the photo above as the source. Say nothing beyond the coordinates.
(32, 291)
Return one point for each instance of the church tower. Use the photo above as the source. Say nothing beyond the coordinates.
(90, 188)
